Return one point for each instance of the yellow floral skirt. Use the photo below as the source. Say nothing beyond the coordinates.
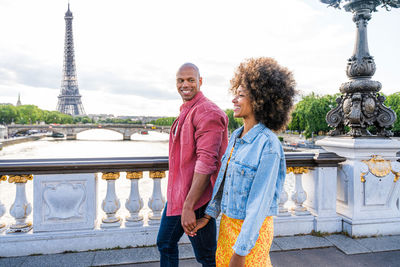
(229, 230)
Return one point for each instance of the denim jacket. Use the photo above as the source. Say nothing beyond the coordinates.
(252, 184)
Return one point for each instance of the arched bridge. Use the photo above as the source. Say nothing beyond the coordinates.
(71, 130)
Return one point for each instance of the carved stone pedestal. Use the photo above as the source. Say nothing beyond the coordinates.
(64, 202)
(367, 184)
(320, 185)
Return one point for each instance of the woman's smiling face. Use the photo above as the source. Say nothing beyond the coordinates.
(242, 106)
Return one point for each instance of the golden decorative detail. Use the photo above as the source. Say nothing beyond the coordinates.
(378, 166)
(3, 178)
(157, 174)
(134, 175)
(110, 175)
(18, 179)
(20, 226)
(363, 177)
(297, 170)
(396, 175)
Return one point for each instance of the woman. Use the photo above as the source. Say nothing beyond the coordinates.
(253, 167)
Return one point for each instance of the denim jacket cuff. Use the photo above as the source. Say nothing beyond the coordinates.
(212, 212)
(241, 250)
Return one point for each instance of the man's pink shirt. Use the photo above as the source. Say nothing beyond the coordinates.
(197, 141)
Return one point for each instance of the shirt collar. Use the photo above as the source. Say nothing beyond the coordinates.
(192, 101)
(251, 135)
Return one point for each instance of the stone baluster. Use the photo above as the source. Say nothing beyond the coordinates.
(283, 198)
(21, 208)
(2, 207)
(110, 204)
(156, 202)
(134, 203)
(299, 195)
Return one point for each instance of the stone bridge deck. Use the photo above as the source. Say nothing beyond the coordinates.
(300, 251)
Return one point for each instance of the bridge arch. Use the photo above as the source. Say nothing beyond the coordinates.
(13, 132)
(126, 133)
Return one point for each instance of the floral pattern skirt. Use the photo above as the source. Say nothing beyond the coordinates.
(229, 230)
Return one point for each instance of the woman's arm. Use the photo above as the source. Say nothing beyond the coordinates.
(237, 261)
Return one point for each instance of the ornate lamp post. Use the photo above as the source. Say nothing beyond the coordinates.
(367, 180)
(360, 105)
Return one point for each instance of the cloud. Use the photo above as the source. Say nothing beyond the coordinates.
(24, 69)
(127, 54)
(113, 83)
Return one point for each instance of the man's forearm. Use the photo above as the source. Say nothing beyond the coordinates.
(199, 184)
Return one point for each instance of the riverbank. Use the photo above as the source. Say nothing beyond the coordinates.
(18, 140)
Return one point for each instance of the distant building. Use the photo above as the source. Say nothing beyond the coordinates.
(19, 101)
(97, 117)
(3, 133)
(143, 119)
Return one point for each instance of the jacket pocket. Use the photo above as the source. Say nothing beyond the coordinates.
(242, 182)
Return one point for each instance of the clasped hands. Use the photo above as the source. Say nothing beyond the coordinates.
(190, 224)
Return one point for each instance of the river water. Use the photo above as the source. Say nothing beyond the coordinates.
(93, 143)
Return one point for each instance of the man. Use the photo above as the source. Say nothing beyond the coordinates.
(198, 139)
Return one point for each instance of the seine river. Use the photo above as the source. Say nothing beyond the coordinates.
(93, 143)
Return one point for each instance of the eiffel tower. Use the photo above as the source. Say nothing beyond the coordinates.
(69, 100)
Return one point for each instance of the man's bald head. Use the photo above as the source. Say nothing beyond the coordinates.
(188, 81)
(190, 65)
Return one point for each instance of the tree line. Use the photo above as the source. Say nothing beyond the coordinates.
(308, 115)
(27, 114)
(30, 114)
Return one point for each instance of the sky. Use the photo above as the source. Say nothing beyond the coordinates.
(127, 52)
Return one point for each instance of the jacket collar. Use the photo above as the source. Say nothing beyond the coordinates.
(252, 134)
(184, 110)
(191, 102)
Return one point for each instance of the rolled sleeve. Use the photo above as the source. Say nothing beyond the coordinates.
(203, 168)
(209, 133)
(259, 202)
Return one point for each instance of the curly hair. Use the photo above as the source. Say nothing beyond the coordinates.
(271, 88)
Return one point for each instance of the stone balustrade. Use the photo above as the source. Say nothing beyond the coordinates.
(65, 202)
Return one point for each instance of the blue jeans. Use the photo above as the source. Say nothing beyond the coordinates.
(204, 243)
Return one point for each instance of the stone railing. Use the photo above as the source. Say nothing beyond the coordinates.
(65, 206)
